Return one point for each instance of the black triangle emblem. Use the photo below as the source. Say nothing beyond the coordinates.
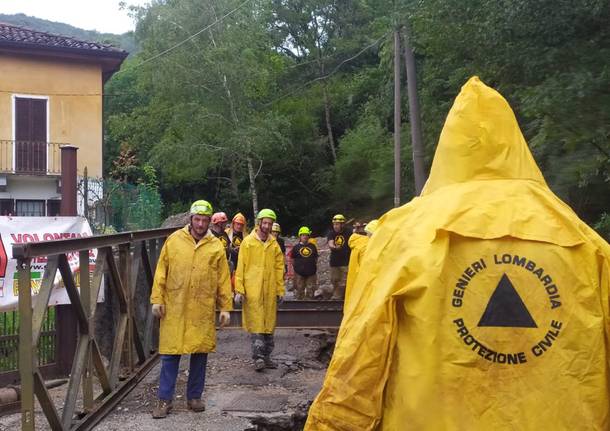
(506, 309)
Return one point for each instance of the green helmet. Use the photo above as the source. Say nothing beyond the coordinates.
(371, 226)
(339, 218)
(201, 207)
(304, 230)
(266, 213)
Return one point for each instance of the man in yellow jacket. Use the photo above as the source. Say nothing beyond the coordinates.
(191, 281)
(259, 284)
(486, 302)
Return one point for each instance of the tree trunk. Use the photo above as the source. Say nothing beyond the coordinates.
(329, 129)
(252, 178)
(234, 180)
(251, 174)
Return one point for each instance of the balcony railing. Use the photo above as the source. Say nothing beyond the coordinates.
(30, 157)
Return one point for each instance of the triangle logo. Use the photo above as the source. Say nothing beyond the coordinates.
(506, 309)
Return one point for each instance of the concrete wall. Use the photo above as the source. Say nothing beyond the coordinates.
(75, 120)
(22, 187)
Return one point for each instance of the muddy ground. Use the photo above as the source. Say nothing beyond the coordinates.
(237, 397)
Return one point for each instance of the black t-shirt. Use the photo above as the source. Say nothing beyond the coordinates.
(237, 239)
(340, 256)
(304, 259)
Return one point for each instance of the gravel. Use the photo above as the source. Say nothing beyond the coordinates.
(231, 382)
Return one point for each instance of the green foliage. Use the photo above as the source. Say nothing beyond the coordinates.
(603, 226)
(547, 58)
(365, 166)
(133, 207)
(254, 90)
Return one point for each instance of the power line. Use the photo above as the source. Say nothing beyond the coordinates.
(335, 70)
(194, 35)
(320, 78)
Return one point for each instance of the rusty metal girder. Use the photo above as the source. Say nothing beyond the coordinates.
(133, 248)
(302, 314)
(106, 405)
(307, 304)
(49, 248)
(132, 353)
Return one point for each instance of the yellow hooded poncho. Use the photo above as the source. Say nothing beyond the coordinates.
(192, 281)
(492, 316)
(260, 278)
(357, 244)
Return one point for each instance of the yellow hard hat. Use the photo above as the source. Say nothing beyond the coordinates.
(276, 228)
(304, 230)
(266, 213)
(338, 218)
(201, 207)
(371, 226)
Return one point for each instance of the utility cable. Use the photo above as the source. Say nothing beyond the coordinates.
(335, 70)
(191, 37)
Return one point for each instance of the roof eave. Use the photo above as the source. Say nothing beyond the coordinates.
(109, 60)
(84, 52)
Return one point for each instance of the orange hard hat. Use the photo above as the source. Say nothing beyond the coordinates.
(219, 217)
(239, 218)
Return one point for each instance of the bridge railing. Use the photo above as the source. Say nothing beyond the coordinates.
(120, 258)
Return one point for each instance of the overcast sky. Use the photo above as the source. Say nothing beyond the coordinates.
(101, 15)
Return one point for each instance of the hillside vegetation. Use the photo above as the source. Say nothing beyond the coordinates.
(125, 41)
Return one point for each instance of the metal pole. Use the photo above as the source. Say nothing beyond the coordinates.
(397, 122)
(414, 116)
(85, 194)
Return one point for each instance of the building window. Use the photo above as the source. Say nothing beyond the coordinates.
(53, 207)
(30, 135)
(29, 208)
(7, 207)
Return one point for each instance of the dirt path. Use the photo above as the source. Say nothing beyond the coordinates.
(235, 393)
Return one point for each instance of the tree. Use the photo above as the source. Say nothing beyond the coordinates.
(288, 104)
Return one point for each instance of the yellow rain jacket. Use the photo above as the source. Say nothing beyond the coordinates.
(260, 278)
(192, 280)
(492, 316)
(357, 243)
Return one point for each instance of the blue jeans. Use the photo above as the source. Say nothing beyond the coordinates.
(169, 374)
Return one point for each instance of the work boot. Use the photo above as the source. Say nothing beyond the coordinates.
(162, 409)
(259, 364)
(196, 405)
(269, 363)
